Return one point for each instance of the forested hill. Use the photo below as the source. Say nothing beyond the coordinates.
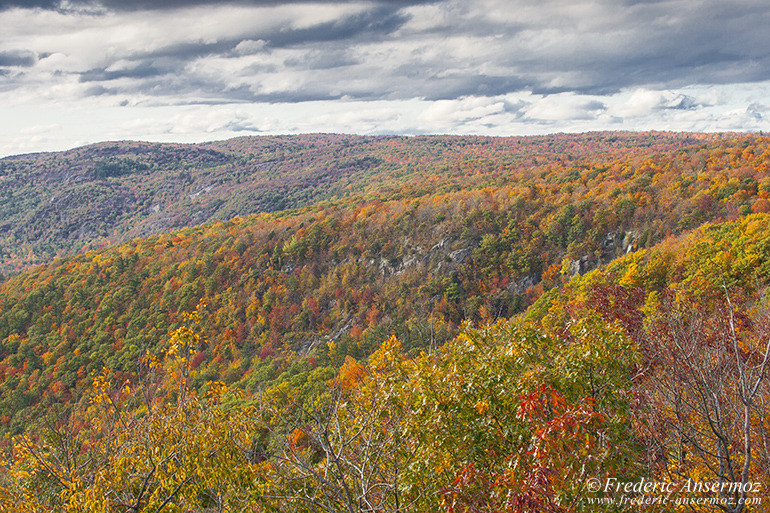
(283, 357)
(477, 239)
(603, 380)
(60, 203)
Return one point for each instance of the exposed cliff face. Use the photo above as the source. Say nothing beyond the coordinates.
(613, 245)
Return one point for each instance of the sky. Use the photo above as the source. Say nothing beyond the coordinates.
(75, 72)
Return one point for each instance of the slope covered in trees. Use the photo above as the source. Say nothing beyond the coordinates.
(59, 203)
(294, 311)
(697, 308)
(355, 271)
(602, 380)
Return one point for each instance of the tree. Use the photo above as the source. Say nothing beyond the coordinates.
(507, 418)
(706, 391)
(344, 450)
(139, 443)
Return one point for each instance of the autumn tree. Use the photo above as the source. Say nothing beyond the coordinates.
(138, 443)
(507, 418)
(343, 450)
(706, 388)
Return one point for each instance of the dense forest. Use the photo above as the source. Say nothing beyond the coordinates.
(386, 323)
(59, 203)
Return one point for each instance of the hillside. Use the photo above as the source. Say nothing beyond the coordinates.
(60, 203)
(354, 271)
(601, 382)
(581, 258)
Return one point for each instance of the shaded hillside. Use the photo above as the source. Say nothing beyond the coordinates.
(59, 203)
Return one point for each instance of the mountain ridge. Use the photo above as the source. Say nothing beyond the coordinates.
(61, 203)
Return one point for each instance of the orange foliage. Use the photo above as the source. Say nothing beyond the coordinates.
(761, 206)
(351, 374)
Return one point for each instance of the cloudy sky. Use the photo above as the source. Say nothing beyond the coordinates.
(79, 71)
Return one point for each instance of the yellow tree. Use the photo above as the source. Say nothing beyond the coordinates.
(140, 445)
(344, 449)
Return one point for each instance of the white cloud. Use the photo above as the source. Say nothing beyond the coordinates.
(448, 113)
(564, 107)
(57, 126)
(249, 46)
(642, 102)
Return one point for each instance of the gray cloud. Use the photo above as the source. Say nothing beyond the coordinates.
(18, 58)
(447, 49)
(142, 70)
(366, 26)
(139, 5)
(594, 105)
(670, 44)
(31, 4)
(531, 62)
(475, 85)
(163, 70)
(756, 111)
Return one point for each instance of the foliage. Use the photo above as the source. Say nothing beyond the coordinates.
(697, 308)
(56, 204)
(277, 391)
(496, 421)
(509, 419)
(137, 443)
(403, 260)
